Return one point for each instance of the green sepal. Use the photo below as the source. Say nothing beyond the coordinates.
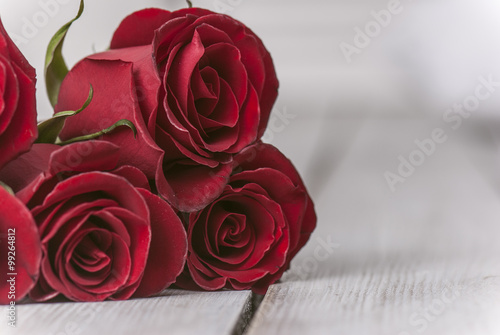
(48, 131)
(121, 123)
(55, 66)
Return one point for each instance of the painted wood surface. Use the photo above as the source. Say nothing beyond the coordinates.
(423, 258)
(174, 312)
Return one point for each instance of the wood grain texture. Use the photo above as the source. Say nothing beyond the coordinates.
(174, 312)
(424, 259)
(387, 296)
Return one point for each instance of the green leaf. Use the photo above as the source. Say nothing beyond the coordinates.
(49, 130)
(55, 66)
(7, 188)
(121, 123)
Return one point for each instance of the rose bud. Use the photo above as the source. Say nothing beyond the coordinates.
(203, 85)
(247, 237)
(18, 128)
(20, 249)
(103, 233)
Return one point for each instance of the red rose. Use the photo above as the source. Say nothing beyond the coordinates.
(19, 240)
(205, 85)
(18, 128)
(248, 236)
(104, 234)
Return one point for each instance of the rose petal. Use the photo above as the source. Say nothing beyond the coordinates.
(168, 249)
(114, 99)
(263, 155)
(22, 130)
(23, 170)
(194, 186)
(133, 175)
(128, 34)
(249, 122)
(14, 215)
(146, 77)
(10, 93)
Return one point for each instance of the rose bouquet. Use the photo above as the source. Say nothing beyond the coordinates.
(151, 172)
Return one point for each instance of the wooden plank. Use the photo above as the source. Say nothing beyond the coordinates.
(387, 297)
(422, 259)
(174, 312)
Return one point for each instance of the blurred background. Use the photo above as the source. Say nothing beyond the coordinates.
(361, 82)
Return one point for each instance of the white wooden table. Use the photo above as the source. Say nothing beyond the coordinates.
(424, 259)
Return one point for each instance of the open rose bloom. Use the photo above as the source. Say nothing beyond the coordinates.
(103, 233)
(247, 237)
(199, 87)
